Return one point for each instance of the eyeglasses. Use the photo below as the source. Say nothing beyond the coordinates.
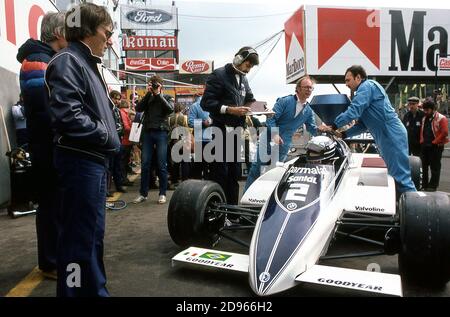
(108, 33)
(308, 87)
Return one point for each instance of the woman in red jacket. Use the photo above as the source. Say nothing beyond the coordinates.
(126, 145)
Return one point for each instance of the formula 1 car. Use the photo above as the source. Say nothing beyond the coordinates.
(297, 209)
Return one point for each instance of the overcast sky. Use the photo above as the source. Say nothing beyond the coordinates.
(219, 37)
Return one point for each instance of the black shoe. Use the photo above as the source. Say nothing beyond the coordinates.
(121, 189)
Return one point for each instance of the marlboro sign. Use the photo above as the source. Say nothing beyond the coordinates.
(385, 41)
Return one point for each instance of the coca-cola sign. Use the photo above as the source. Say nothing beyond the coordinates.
(444, 63)
(145, 16)
(149, 18)
(196, 67)
(150, 64)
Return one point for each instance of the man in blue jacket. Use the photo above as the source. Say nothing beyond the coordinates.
(86, 139)
(34, 56)
(199, 120)
(371, 107)
(291, 112)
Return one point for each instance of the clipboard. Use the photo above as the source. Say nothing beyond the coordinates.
(258, 108)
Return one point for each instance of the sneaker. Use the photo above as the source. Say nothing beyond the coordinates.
(162, 199)
(139, 199)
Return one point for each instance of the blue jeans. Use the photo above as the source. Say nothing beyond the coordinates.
(154, 140)
(82, 186)
(48, 200)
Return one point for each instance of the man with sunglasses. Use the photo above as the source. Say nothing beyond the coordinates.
(291, 112)
(85, 141)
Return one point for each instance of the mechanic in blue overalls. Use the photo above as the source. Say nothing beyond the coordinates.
(291, 112)
(371, 107)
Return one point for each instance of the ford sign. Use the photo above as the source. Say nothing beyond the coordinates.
(146, 16)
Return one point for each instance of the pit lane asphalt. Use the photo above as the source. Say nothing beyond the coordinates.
(138, 252)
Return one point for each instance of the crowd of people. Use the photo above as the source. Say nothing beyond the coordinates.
(78, 137)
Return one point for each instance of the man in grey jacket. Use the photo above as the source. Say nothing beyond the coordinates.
(86, 139)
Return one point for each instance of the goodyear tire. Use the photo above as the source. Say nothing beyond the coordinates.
(415, 163)
(424, 257)
(190, 219)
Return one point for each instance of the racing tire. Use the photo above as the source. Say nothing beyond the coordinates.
(424, 257)
(190, 219)
(415, 164)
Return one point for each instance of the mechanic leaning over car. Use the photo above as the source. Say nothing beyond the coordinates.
(227, 91)
(291, 112)
(371, 107)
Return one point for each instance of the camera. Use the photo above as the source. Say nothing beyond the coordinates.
(155, 85)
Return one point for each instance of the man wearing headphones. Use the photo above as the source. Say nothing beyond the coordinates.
(227, 91)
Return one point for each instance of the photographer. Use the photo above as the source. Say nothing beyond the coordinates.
(157, 108)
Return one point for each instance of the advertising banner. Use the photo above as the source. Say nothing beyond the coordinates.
(295, 46)
(149, 18)
(19, 20)
(196, 67)
(385, 41)
(150, 64)
(150, 43)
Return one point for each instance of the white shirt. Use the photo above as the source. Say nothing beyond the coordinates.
(299, 107)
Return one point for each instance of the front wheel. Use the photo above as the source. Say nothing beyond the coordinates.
(191, 219)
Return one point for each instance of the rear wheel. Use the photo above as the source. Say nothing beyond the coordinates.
(425, 238)
(191, 220)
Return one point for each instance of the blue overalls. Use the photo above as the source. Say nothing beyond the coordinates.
(371, 107)
(287, 123)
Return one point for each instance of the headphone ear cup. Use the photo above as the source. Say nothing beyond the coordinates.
(238, 60)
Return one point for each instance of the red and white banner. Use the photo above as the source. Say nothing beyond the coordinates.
(444, 63)
(295, 46)
(147, 43)
(19, 20)
(196, 67)
(147, 64)
(385, 41)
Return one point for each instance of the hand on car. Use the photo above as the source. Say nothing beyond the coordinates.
(325, 128)
(277, 139)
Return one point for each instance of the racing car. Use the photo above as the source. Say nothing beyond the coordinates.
(297, 209)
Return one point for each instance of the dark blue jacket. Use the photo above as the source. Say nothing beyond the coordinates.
(34, 57)
(80, 105)
(222, 89)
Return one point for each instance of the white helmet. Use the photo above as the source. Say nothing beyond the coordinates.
(320, 149)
